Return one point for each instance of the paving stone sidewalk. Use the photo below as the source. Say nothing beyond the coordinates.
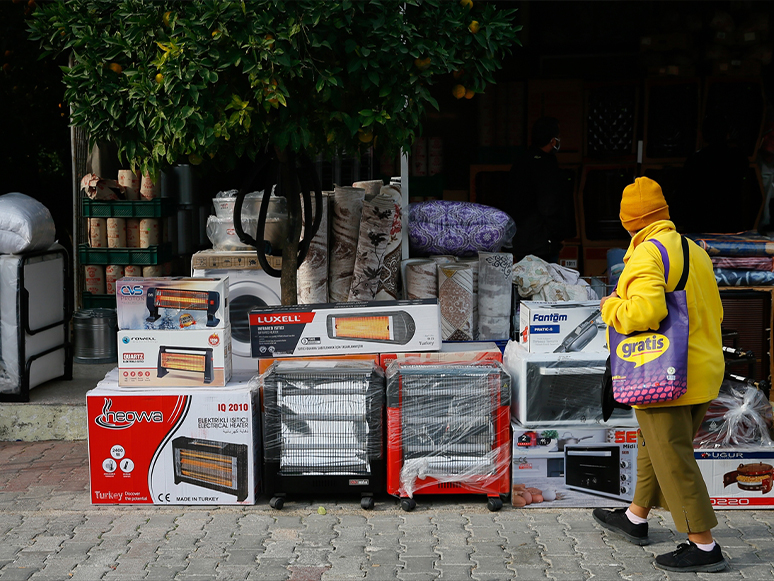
(49, 531)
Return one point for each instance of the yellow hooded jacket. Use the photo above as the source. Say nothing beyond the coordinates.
(641, 305)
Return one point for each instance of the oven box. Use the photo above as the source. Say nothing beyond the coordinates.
(173, 359)
(337, 328)
(559, 389)
(173, 303)
(174, 445)
(574, 467)
(450, 352)
(738, 478)
(562, 327)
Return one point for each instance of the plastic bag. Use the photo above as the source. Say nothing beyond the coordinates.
(25, 224)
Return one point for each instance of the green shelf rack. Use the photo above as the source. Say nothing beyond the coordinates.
(95, 301)
(156, 208)
(138, 256)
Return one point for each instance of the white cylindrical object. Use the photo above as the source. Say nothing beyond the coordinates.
(113, 272)
(390, 279)
(94, 279)
(495, 278)
(421, 279)
(455, 298)
(345, 231)
(312, 278)
(473, 262)
(149, 189)
(132, 232)
(153, 270)
(132, 270)
(116, 232)
(371, 187)
(442, 258)
(131, 182)
(375, 225)
(98, 232)
(149, 232)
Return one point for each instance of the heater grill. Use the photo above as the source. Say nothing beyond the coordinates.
(215, 465)
(448, 429)
(395, 327)
(189, 359)
(323, 428)
(170, 298)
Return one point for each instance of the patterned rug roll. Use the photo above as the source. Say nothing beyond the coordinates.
(389, 282)
(375, 226)
(473, 262)
(494, 295)
(455, 297)
(421, 276)
(312, 281)
(372, 188)
(442, 258)
(347, 209)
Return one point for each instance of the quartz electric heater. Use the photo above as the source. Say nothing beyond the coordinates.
(218, 466)
(395, 327)
(193, 359)
(170, 298)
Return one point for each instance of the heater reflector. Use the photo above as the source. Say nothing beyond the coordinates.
(192, 359)
(392, 327)
(170, 298)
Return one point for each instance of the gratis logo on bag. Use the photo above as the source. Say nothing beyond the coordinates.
(652, 366)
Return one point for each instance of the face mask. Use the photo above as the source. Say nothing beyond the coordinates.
(556, 146)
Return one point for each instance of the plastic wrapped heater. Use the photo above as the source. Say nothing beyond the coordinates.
(323, 429)
(35, 313)
(448, 430)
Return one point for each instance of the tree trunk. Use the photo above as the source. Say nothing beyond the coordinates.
(290, 190)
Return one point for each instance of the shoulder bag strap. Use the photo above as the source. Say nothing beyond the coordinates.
(665, 259)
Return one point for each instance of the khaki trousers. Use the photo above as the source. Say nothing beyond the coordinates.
(667, 472)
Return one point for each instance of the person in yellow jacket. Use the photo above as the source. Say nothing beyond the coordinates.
(667, 472)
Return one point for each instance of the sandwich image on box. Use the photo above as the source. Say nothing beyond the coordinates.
(173, 303)
(562, 327)
(345, 328)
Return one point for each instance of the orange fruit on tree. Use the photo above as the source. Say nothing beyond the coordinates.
(159, 78)
(165, 18)
(467, 3)
(458, 91)
(469, 94)
(422, 64)
(364, 135)
(116, 68)
(474, 27)
(458, 73)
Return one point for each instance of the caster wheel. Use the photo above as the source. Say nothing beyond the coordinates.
(277, 502)
(367, 502)
(494, 504)
(408, 504)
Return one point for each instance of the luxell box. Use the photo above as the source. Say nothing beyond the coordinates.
(172, 303)
(562, 327)
(339, 328)
(197, 358)
(174, 445)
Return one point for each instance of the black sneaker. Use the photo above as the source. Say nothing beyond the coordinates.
(688, 557)
(617, 521)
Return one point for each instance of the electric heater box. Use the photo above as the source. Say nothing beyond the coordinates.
(173, 359)
(345, 328)
(172, 303)
(555, 389)
(738, 478)
(562, 327)
(464, 352)
(174, 445)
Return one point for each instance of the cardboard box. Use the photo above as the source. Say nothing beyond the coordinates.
(449, 353)
(173, 359)
(562, 327)
(546, 459)
(243, 259)
(140, 442)
(738, 478)
(339, 328)
(264, 364)
(172, 303)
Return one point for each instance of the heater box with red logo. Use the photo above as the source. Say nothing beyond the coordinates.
(172, 303)
(174, 445)
(738, 477)
(173, 359)
(345, 328)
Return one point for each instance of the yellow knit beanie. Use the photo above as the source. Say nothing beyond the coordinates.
(642, 203)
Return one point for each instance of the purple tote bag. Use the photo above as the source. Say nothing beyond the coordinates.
(652, 366)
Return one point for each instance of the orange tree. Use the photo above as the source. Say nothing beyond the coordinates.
(215, 80)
